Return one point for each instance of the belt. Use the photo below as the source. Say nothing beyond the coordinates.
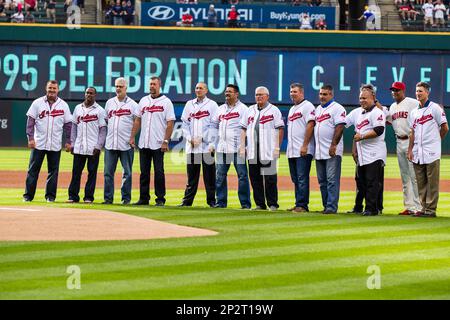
(402, 137)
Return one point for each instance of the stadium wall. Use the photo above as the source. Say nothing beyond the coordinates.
(345, 59)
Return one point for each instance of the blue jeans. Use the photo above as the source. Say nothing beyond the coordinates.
(299, 169)
(329, 176)
(126, 159)
(222, 166)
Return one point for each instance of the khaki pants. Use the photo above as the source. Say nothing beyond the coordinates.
(51, 13)
(427, 176)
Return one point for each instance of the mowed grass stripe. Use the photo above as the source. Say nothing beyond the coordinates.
(134, 262)
(321, 236)
(135, 282)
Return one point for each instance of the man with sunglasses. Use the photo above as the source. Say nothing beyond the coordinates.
(398, 117)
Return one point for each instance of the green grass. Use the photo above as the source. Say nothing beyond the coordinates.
(257, 255)
(17, 160)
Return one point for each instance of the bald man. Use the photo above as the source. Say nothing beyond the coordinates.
(200, 132)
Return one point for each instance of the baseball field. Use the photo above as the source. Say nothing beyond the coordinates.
(253, 255)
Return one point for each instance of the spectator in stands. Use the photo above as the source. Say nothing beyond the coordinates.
(369, 16)
(29, 17)
(317, 3)
(233, 2)
(308, 3)
(427, 10)
(117, 13)
(30, 5)
(108, 12)
(80, 3)
(17, 17)
(2, 9)
(129, 14)
(50, 8)
(400, 2)
(296, 3)
(212, 17)
(187, 20)
(305, 22)
(232, 18)
(321, 24)
(439, 13)
(420, 2)
(10, 5)
(407, 11)
(67, 4)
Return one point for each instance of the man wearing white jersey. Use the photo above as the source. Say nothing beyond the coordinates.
(300, 147)
(330, 123)
(120, 113)
(200, 133)
(263, 127)
(399, 112)
(371, 150)
(227, 120)
(428, 128)
(156, 118)
(48, 118)
(88, 138)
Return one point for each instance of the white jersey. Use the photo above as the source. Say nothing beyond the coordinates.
(327, 118)
(426, 122)
(298, 118)
(88, 121)
(49, 125)
(439, 11)
(197, 123)
(428, 9)
(398, 116)
(267, 121)
(228, 119)
(120, 116)
(370, 150)
(154, 114)
(352, 117)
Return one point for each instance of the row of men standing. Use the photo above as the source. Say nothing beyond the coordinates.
(232, 130)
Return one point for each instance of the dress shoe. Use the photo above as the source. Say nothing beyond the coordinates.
(299, 210)
(355, 211)
(184, 205)
(125, 202)
(141, 203)
(245, 208)
(424, 214)
(329, 212)
(291, 209)
(26, 200)
(107, 202)
(159, 204)
(369, 213)
(406, 213)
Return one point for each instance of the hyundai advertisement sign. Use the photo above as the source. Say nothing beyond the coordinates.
(167, 14)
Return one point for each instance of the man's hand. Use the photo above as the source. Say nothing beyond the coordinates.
(355, 157)
(132, 143)
(410, 155)
(332, 151)
(68, 147)
(303, 151)
(96, 153)
(358, 137)
(31, 144)
(165, 147)
(196, 141)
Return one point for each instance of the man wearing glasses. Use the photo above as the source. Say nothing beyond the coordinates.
(398, 117)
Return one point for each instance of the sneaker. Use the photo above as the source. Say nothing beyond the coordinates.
(50, 200)
(368, 213)
(245, 208)
(125, 202)
(406, 213)
(299, 210)
(71, 201)
(26, 200)
(184, 205)
(273, 208)
(259, 208)
(218, 206)
(141, 203)
(88, 201)
(355, 211)
(424, 214)
(329, 212)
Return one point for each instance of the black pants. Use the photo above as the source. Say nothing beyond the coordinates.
(145, 159)
(360, 192)
(34, 167)
(263, 178)
(194, 162)
(79, 161)
(371, 178)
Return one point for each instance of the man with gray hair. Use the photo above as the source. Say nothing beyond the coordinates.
(263, 127)
(120, 114)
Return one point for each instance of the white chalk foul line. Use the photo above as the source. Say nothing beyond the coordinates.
(17, 209)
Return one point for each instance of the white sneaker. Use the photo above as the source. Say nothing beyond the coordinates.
(273, 208)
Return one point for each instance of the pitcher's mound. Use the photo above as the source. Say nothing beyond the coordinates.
(70, 224)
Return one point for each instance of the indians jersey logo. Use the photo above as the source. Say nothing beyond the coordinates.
(265, 119)
(380, 118)
(362, 124)
(199, 115)
(119, 113)
(152, 109)
(323, 117)
(400, 115)
(424, 119)
(229, 116)
(295, 116)
(250, 120)
(87, 118)
(53, 113)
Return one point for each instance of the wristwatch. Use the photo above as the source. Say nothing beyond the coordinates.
(166, 141)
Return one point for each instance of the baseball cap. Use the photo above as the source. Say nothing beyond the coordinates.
(398, 85)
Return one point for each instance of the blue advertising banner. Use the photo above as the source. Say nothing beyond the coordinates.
(24, 70)
(259, 16)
